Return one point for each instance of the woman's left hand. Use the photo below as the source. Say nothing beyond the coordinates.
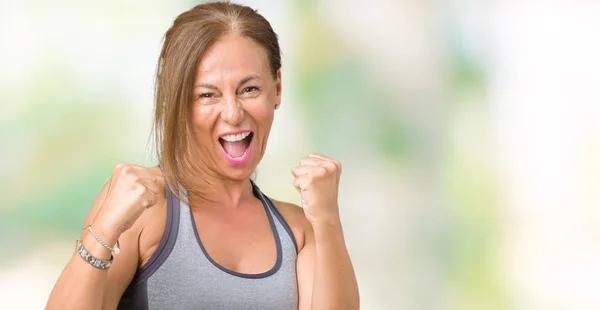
(317, 180)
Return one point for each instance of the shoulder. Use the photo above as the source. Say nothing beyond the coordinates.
(294, 216)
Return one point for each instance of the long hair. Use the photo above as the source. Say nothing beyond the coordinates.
(187, 40)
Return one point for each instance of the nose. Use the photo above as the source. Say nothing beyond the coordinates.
(233, 112)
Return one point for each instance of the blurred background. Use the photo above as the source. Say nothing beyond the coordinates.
(469, 132)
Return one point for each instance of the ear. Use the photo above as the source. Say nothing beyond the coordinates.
(278, 88)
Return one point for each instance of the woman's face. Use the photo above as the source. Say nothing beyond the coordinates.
(234, 98)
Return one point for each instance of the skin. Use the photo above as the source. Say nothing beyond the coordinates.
(233, 90)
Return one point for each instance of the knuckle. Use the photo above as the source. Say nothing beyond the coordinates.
(126, 170)
(321, 171)
(337, 164)
(119, 167)
(330, 165)
(140, 190)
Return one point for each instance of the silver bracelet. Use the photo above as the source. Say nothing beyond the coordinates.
(96, 262)
(116, 249)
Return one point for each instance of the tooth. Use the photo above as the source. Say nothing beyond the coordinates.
(236, 137)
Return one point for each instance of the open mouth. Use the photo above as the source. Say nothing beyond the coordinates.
(236, 145)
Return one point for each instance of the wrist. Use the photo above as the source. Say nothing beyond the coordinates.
(94, 248)
(328, 219)
(331, 222)
(327, 228)
(106, 231)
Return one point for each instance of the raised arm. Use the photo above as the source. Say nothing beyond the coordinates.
(326, 278)
(120, 203)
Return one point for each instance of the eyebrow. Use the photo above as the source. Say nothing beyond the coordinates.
(242, 82)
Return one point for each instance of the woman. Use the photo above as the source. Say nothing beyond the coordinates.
(196, 232)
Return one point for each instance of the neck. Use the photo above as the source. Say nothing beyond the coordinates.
(222, 193)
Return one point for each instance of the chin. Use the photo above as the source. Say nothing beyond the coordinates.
(238, 174)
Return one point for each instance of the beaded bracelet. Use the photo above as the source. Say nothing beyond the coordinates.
(96, 262)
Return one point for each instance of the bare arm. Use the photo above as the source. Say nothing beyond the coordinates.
(326, 277)
(81, 285)
(113, 214)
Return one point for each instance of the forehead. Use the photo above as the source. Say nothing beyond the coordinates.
(233, 56)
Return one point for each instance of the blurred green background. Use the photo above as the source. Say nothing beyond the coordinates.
(468, 130)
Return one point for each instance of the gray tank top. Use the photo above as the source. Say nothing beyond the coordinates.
(181, 274)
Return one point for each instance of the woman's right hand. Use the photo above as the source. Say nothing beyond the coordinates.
(131, 190)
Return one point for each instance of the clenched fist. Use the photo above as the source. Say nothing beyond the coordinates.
(317, 179)
(131, 190)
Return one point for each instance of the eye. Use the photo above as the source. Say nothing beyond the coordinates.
(250, 89)
(206, 95)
